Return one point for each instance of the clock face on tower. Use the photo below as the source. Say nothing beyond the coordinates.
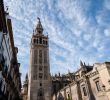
(39, 73)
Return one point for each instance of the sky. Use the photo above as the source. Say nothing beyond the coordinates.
(77, 30)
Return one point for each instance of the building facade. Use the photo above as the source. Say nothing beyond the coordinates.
(25, 88)
(10, 79)
(39, 86)
(60, 81)
(89, 83)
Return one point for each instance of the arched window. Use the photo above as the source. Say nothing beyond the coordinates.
(35, 56)
(37, 41)
(46, 42)
(84, 91)
(40, 84)
(45, 56)
(34, 40)
(40, 68)
(40, 56)
(98, 85)
(40, 40)
(40, 92)
(40, 75)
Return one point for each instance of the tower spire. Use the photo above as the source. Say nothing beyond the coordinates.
(39, 71)
(39, 28)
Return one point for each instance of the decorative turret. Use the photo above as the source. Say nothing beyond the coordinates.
(39, 28)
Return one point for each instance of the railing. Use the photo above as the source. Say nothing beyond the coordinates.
(2, 62)
(4, 71)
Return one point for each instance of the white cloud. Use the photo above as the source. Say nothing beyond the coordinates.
(107, 32)
(75, 30)
(107, 4)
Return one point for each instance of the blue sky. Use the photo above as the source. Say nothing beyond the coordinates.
(77, 29)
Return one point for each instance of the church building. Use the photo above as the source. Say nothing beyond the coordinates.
(87, 83)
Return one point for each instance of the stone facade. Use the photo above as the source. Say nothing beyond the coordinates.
(39, 86)
(89, 83)
(10, 81)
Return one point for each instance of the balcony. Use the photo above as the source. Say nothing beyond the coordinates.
(4, 72)
(2, 62)
(1, 67)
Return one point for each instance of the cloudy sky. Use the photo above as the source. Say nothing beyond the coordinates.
(77, 29)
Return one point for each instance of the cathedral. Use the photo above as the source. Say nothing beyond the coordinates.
(87, 83)
(39, 86)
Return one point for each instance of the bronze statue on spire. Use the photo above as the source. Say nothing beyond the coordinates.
(39, 28)
(38, 19)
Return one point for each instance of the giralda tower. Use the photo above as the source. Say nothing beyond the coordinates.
(39, 87)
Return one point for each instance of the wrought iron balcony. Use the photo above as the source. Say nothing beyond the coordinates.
(2, 62)
(1, 67)
(4, 71)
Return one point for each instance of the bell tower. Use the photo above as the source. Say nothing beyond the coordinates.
(39, 70)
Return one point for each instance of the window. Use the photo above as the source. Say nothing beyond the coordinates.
(40, 94)
(65, 84)
(34, 40)
(40, 68)
(40, 31)
(98, 86)
(45, 56)
(40, 75)
(35, 69)
(45, 76)
(84, 91)
(40, 56)
(34, 77)
(37, 41)
(45, 69)
(40, 40)
(40, 84)
(46, 42)
(0, 84)
(35, 56)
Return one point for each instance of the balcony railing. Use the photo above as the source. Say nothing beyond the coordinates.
(4, 71)
(2, 62)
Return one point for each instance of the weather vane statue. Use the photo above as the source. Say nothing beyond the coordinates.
(38, 19)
